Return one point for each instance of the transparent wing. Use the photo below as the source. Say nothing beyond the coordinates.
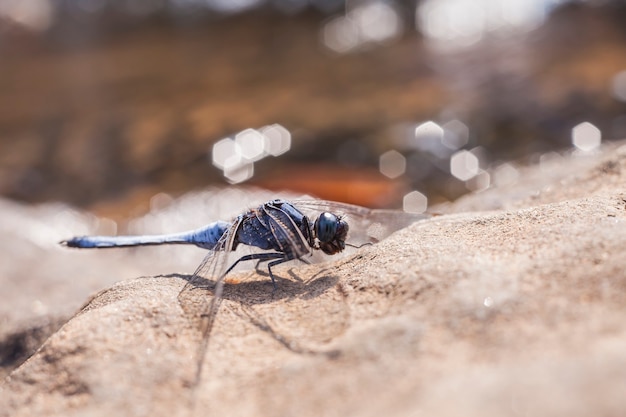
(286, 232)
(194, 299)
(366, 225)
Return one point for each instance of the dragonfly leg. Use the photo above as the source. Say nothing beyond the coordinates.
(274, 263)
(262, 257)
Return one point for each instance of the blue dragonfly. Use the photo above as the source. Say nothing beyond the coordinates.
(281, 230)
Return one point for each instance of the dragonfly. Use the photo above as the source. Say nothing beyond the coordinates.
(280, 230)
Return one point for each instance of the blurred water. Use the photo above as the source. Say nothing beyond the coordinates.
(105, 104)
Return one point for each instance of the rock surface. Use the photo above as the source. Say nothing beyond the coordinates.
(514, 311)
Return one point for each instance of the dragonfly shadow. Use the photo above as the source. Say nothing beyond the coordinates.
(261, 291)
(247, 294)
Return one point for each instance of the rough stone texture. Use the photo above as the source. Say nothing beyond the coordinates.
(514, 311)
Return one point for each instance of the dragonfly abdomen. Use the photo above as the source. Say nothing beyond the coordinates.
(206, 237)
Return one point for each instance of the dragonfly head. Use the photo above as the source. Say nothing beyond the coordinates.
(331, 232)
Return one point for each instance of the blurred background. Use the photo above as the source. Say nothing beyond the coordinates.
(105, 104)
(150, 116)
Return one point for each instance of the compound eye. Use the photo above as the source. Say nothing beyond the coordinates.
(326, 227)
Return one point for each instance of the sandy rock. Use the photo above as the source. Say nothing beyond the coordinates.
(515, 311)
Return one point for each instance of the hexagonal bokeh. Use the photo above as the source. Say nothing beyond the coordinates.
(464, 165)
(392, 164)
(428, 138)
(505, 174)
(415, 202)
(252, 144)
(226, 152)
(479, 182)
(586, 137)
(456, 134)
(239, 173)
(278, 139)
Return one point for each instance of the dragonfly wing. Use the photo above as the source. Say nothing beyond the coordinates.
(290, 238)
(366, 225)
(194, 300)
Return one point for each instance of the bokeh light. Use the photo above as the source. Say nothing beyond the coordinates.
(392, 164)
(586, 137)
(619, 86)
(479, 182)
(456, 134)
(415, 202)
(340, 35)
(505, 174)
(464, 165)
(226, 153)
(239, 173)
(547, 161)
(366, 23)
(454, 24)
(428, 138)
(236, 157)
(251, 144)
(107, 102)
(377, 21)
(278, 139)
(488, 302)
(446, 102)
(35, 15)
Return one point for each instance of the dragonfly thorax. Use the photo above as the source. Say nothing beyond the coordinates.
(331, 232)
